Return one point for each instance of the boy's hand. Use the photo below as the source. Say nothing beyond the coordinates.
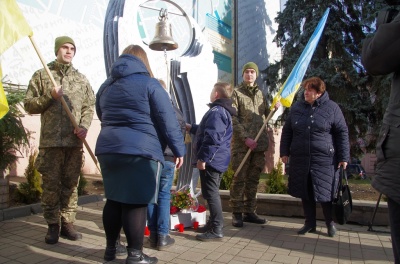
(201, 165)
(178, 162)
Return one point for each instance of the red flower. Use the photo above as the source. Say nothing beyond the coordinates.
(201, 209)
(173, 210)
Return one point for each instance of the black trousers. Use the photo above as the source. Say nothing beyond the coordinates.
(309, 207)
(210, 180)
(394, 218)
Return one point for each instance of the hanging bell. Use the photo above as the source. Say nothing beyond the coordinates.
(163, 36)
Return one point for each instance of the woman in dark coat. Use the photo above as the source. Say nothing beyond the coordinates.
(315, 138)
(137, 122)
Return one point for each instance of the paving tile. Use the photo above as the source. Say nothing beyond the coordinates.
(22, 241)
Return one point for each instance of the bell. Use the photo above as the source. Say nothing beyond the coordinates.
(163, 37)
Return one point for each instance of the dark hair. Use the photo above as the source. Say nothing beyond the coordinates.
(137, 51)
(224, 89)
(315, 83)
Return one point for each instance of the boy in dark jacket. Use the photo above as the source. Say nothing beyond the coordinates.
(212, 148)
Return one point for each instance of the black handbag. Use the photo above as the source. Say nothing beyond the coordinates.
(342, 203)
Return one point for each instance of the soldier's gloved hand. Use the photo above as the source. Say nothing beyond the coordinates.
(250, 143)
(57, 92)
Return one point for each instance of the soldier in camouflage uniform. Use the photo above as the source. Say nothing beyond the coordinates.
(252, 110)
(60, 150)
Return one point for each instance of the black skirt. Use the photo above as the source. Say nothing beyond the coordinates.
(130, 179)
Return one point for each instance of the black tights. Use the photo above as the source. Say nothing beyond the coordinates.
(131, 217)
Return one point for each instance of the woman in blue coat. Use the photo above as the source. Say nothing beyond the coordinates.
(315, 138)
(137, 122)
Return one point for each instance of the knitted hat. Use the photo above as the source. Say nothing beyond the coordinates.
(61, 41)
(250, 65)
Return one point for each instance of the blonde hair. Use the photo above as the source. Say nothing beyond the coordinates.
(137, 51)
(161, 81)
(224, 89)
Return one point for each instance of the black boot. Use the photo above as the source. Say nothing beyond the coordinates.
(53, 233)
(213, 234)
(136, 256)
(153, 239)
(331, 229)
(237, 220)
(68, 231)
(204, 228)
(164, 241)
(111, 250)
(253, 218)
(306, 229)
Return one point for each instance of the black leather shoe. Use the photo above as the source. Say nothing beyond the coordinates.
(164, 241)
(331, 230)
(253, 218)
(237, 220)
(212, 234)
(306, 229)
(204, 228)
(110, 253)
(136, 256)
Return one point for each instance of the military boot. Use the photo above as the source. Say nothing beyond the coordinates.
(136, 256)
(237, 220)
(53, 233)
(68, 231)
(253, 218)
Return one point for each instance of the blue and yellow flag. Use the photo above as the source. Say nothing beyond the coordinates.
(292, 83)
(13, 26)
(3, 99)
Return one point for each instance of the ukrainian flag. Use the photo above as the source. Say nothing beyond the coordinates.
(292, 83)
(13, 26)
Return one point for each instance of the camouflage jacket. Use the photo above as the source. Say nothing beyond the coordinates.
(56, 127)
(251, 113)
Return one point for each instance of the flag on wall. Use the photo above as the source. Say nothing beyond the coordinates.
(13, 26)
(292, 83)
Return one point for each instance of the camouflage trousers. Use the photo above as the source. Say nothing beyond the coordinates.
(60, 169)
(244, 186)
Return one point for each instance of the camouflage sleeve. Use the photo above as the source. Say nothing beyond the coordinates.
(238, 127)
(37, 98)
(88, 106)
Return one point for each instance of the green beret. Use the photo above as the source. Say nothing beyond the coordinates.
(250, 65)
(61, 41)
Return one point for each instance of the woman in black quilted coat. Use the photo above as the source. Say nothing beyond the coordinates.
(315, 138)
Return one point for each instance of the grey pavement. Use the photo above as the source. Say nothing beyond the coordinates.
(22, 241)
